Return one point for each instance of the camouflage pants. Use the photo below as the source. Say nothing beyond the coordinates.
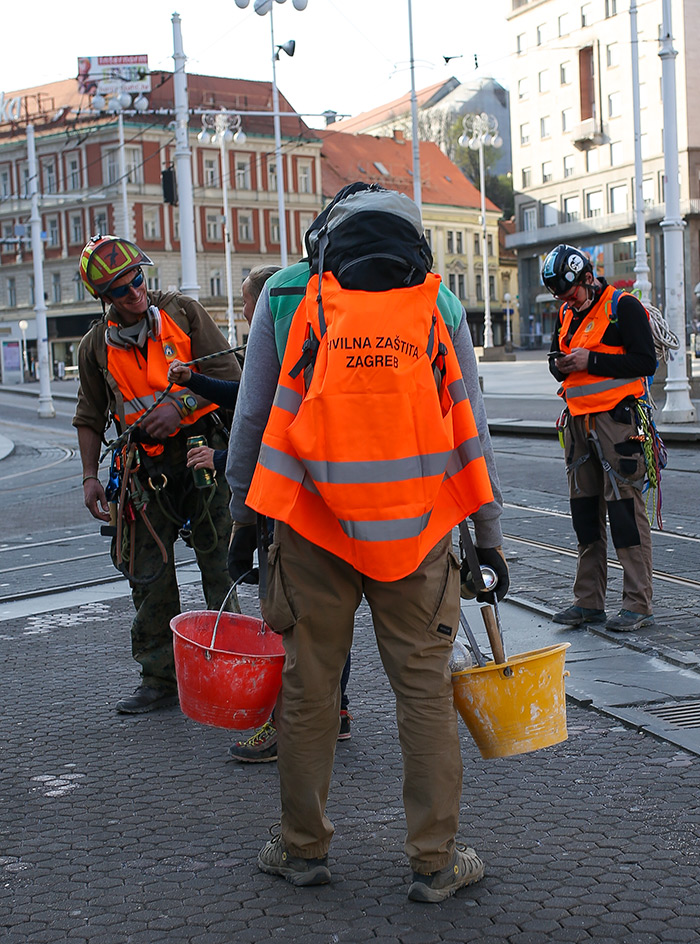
(158, 602)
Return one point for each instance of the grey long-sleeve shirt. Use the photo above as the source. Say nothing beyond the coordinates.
(257, 392)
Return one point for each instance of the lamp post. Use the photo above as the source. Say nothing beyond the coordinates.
(415, 136)
(507, 299)
(23, 325)
(641, 284)
(221, 128)
(263, 7)
(478, 131)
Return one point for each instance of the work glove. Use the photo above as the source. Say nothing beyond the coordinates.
(488, 557)
(243, 544)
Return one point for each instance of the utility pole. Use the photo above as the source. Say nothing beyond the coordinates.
(678, 407)
(415, 135)
(46, 409)
(183, 167)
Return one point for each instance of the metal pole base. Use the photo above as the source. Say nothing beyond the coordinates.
(46, 409)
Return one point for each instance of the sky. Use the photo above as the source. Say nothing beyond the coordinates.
(351, 55)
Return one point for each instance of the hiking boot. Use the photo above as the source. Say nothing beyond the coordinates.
(274, 859)
(465, 869)
(577, 615)
(260, 748)
(344, 731)
(626, 621)
(146, 698)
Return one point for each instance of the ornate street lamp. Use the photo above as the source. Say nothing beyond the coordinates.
(480, 131)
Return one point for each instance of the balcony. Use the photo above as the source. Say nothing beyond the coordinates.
(588, 135)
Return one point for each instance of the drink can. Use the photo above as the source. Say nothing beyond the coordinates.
(203, 478)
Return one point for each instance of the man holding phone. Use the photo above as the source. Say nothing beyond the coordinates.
(602, 350)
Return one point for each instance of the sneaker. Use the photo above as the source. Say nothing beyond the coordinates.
(626, 621)
(344, 731)
(576, 615)
(274, 859)
(146, 698)
(465, 869)
(260, 748)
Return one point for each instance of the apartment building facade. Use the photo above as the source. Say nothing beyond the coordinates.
(80, 186)
(572, 127)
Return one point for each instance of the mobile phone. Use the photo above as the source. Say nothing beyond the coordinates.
(553, 355)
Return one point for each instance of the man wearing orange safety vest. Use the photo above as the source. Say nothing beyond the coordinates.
(365, 482)
(602, 351)
(123, 364)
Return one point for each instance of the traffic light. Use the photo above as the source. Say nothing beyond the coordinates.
(169, 184)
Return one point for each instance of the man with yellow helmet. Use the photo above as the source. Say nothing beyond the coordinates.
(123, 363)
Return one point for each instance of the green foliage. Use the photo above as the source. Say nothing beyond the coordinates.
(498, 187)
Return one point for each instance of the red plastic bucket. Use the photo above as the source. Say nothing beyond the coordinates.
(233, 683)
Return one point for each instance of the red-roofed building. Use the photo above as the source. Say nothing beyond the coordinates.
(80, 189)
(451, 207)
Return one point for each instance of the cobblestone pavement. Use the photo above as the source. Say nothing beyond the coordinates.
(121, 830)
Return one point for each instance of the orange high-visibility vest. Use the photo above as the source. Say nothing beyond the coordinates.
(373, 462)
(142, 380)
(590, 393)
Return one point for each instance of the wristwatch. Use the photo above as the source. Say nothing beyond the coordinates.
(188, 404)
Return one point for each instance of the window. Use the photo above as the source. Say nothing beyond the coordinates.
(540, 34)
(616, 153)
(243, 173)
(78, 289)
(461, 291)
(489, 244)
(569, 165)
(215, 283)
(5, 186)
(586, 83)
(458, 244)
(529, 219)
(110, 169)
(527, 177)
(545, 126)
(492, 287)
(50, 183)
(563, 24)
(450, 241)
(56, 286)
(567, 119)
(25, 181)
(520, 43)
(648, 191)
(614, 104)
(565, 73)
(76, 228)
(452, 283)
(594, 203)
(100, 221)
(133, 158)
(214, 227)
(245, 228)
(592, 160)
(543, 81)
(618, 199)
(176, 223)
(428, 233)
(572, 209)
(11, 292)
(477, 244)
(152, 274)
(550, 216)
(32, 295)
(523, 88)
(151, 223)
(73, 173)
(547, 171)
(304, 177)
(272, 176)
(525, 133)
(211, 172)
(610, 8)
(586, 14)
(479, 289)
(52, 233)
(612, 55)
(274, 229)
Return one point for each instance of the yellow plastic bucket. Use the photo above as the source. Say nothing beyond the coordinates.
(516, 707)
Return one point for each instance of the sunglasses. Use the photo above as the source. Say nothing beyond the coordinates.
(123, 290)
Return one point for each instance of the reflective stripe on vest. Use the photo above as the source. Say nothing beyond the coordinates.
(142, 380)
(591, 393)
(324, 466)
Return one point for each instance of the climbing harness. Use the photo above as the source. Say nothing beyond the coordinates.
(655, 459)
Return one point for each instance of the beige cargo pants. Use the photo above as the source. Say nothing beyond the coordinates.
(312, 599)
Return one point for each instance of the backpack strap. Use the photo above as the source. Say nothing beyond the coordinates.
(612, 305)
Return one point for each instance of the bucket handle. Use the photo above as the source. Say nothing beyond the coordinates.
(207, 654)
